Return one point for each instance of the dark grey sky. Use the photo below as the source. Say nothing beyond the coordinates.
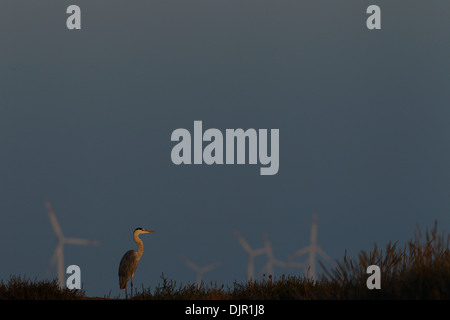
(86, 118)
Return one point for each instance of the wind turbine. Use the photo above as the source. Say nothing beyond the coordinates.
(199, 270)
(58, 255)
(252, 253)
(272, 261)
(313, 249)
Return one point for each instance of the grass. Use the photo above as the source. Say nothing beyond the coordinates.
(22, 288)
(418, 269)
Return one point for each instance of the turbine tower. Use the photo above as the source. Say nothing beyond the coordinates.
(272, 261)
(313, 249)
(199, 270)
(58, 255)
(252, 254)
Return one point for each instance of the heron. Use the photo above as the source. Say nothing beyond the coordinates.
(130, 260)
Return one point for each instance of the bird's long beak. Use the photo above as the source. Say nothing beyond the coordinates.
(149, 231)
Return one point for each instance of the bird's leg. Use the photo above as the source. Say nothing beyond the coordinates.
(131, 285)
(126, 295)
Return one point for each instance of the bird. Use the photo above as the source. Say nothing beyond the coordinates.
(130, 260)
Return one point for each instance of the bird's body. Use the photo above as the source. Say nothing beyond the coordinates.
(127, 267)
(130, 260)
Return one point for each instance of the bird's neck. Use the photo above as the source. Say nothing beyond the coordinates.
(140, 250)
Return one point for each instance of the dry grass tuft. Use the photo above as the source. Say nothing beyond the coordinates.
(21, 288)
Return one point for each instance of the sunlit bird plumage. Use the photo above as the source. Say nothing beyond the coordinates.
(130, 260)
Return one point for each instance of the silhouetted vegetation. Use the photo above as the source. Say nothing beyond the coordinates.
(419, 269)
(21, 288)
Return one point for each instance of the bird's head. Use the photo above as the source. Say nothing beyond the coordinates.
(139, 231)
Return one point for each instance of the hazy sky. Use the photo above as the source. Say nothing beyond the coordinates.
(86, 118)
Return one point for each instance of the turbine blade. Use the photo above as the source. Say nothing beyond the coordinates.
(323, 254)
(300, 252)
(243, 242)
(190, 264)
(84, 242)
(53, 220)
(251, 252)
(210, 267)
(259, 252)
